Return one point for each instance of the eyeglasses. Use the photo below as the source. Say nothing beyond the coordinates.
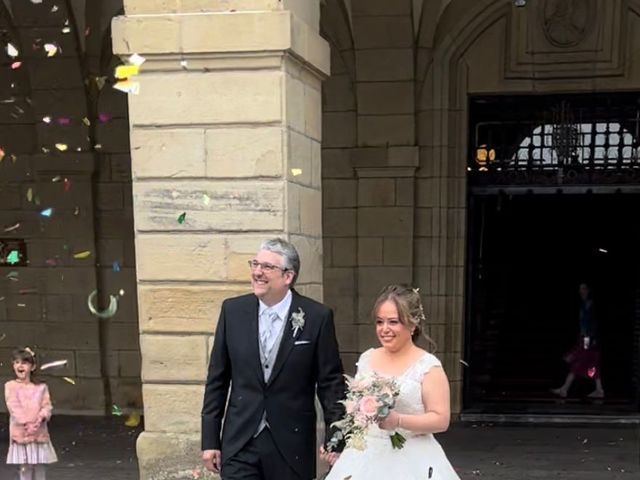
(265, 267)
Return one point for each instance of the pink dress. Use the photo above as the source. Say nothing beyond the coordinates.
(29, 408)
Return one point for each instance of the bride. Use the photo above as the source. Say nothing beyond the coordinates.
(421, 409)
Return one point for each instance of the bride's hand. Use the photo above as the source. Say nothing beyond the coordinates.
(390, 422)
(329, 457)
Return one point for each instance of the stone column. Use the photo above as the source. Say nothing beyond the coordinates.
(225, 132)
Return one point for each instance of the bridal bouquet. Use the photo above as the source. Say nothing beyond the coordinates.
(369, 400)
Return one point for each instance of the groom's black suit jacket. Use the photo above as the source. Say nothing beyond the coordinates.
(305, 364)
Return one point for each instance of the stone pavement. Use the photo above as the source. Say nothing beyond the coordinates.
(104, 449)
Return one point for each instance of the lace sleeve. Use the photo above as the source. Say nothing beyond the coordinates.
(426, 363)
(363, 363)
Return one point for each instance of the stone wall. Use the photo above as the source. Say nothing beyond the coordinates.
(88, 188)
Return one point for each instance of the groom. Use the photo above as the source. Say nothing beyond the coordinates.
(274, 350)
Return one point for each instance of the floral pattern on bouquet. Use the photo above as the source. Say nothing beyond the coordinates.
(368, 401)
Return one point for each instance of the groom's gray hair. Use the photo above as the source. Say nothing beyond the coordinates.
(288, 253)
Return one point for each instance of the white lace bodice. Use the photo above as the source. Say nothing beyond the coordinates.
(410, 382)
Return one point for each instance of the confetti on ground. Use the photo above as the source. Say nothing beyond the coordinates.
(182, 218)
(66, 30)
(12, 51)
(86, 121)
(82, 255)
(51, 49)
(57, 363)
(29, 194)
(12, 227)
(126, 71)
(63, 147)
(46, 119)
(57, 178)
(296, 172)
(54, 9)
(13, 257)
(116, 267)
(46, 212)
(115, 410)
(69, 380)
(206, 199)
(16, 65)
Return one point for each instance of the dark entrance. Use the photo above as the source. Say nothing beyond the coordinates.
(546, 214)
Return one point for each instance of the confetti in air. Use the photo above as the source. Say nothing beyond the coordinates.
(115, 410)
(51, 49)
(46, 212)
(182, 218)
(57, 363)
(13, 257)
(63, 147)
(69, 380)
(12, 51)
(82, 255)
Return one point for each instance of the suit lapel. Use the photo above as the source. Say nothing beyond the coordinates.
(254, 338)
(287, 341)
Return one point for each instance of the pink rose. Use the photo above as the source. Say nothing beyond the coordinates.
(369, 406)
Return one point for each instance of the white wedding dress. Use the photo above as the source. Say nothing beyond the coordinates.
(421, 458)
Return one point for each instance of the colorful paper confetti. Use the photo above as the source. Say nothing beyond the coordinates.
(2, 154)
(16, 65)
(12, 51)
(182, 218)
(63, 147)
(296, 172)
(115, 267)
(82, 255)
(126, 71)
(57, 363)
(69, 380)
(116, 411)
(29, 194)
(128, 86)
(13, 257)
(46, 212)
(136, 59)
(67, 184)
(12, 227)
(51, 49)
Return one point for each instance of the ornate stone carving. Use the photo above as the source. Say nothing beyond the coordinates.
(566, 23)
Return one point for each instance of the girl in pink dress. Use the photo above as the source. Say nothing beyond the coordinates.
(29, 408)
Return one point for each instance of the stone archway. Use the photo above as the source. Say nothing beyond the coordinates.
(490, 47)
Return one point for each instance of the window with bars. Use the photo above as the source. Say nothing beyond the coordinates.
(587, 133)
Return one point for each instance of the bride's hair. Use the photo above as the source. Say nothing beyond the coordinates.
(410, 310)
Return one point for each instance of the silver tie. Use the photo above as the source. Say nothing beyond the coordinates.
(268, 333)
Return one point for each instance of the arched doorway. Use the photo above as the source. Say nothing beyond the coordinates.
(553, 182)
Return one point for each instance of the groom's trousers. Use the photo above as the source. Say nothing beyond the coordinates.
(259, 459)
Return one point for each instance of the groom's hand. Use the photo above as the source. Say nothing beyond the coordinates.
(211, 460)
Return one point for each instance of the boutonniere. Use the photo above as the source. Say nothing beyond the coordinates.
(297, 321)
